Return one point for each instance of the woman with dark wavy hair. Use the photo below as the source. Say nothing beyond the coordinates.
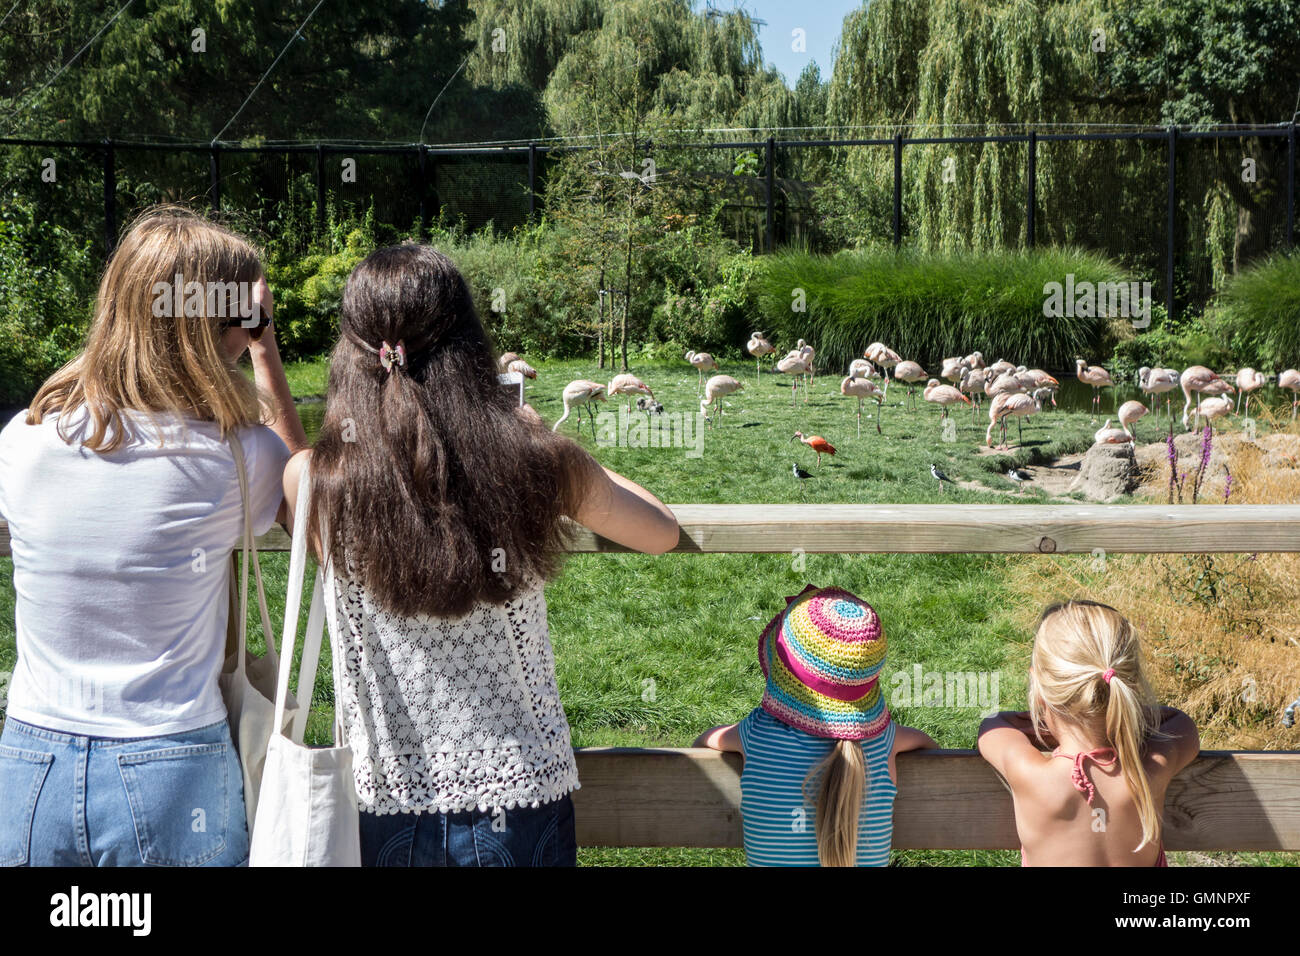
(438, 509)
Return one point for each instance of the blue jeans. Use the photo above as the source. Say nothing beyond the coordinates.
(527, 836)
(69, 800)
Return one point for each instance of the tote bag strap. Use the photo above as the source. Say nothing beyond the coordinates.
(249, 556)
(315, 621)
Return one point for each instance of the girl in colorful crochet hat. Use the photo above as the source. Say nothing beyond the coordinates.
(1090, 702)
(819, 779)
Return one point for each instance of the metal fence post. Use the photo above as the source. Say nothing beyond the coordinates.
(320, 187)
(1172, 203)
(214, 177)
(770, 213)
(532, 180)
(423, 163)
(110, 198)
(898, 190)
(1290, 186)
(1031, 201)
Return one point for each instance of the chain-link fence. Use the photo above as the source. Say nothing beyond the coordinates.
(1182, 209)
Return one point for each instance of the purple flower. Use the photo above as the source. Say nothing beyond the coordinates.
(1227, 487)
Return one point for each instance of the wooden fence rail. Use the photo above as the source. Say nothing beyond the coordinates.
(947, 800)
(952, 529)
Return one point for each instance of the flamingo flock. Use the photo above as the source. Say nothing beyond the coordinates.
(1010, 391)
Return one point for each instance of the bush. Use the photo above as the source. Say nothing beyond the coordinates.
(47, 284)
(1258, 313)
(927, 306)
(1166, 345)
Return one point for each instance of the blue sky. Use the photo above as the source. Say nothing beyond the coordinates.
(820, 20)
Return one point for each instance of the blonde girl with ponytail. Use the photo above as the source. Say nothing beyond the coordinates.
(1094, 796)
(818, 786)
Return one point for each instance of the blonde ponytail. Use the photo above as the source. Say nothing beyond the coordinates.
(841, 784)
(1087, 671)
(1126, 729)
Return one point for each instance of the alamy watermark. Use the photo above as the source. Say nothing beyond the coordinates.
(1104, 300)
(951, 689)
(665, 430)
(220, 300)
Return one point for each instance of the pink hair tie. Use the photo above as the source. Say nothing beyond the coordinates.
(1108, 674)
(390, 355)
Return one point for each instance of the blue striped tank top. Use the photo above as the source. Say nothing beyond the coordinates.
(779, 823)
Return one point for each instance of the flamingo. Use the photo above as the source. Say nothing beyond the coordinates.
(1157, 381)
(817, 444)
(627, 384)
(861, 388)
(943, 395)
(503, 363)
(807, 352)
(702, 361)
(714, 389)
(1216, 406)
(581, 392)
(523, 368)
(974, 381)
(1106, 435)
(1129, 413)
(758, 346)
(1005, 384)
(911, 373)
(861, 368)
(1015, 405)
(1097, 377)
(794, 363)
(1291, 379)
(1248, 380)
(1202, 381)
(1036, 378)
(975, 360)
(1000, 367)
(885, 359)
(953, 369)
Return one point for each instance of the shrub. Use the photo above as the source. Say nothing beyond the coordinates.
(927, 306)
(47, 283)
(1258, 313)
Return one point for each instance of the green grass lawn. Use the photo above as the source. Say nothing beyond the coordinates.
(653, 650)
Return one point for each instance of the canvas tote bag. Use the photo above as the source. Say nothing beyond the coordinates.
(307, 812)
(248, 682)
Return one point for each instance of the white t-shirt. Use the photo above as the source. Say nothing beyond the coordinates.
(122, 569)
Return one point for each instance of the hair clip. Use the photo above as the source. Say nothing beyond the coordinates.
(390, 355)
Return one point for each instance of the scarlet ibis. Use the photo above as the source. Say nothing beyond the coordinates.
(818, 444)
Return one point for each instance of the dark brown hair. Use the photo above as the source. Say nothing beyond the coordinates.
(428, 487)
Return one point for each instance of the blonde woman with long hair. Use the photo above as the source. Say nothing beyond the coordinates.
(119, 485)
(819, 781)
(1094, 797)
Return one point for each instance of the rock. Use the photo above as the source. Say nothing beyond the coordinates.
(1107, 472)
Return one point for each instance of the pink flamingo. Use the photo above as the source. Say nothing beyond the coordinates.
(953, 369)
(1291, 379)
(861, 388)
(523, 368)
(1202, 381)
(1015, 405)
(1157, 381)
(581, 392)
(702, 361)
(1216, 406)
(758, 346)
(943, 396)
(1129, 413)
(714, 389)
(1111, 436)
(627, 384)
(795, 363)
(911, 373)
(1248, 380)
(885, 359)
(1097, 377)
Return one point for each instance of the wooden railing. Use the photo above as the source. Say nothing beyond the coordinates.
(947, 799)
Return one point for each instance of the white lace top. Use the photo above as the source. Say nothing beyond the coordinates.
(448, 714)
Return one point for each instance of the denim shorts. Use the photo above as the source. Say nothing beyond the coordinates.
(527, 836)
(69, 800)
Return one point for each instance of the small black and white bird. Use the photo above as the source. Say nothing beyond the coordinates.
(799, 472)
(1018, 476)
(940, 476)
(649, 406)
